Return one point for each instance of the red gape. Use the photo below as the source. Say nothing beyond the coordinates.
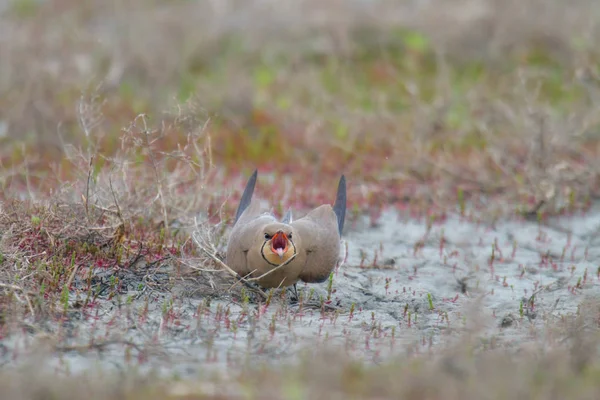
(279, 241)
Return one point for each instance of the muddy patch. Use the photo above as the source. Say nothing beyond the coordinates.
(406, 287)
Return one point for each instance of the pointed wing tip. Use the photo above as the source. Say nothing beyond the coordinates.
(342, 184)
(339, 206)
(246, 195)
(287, 218)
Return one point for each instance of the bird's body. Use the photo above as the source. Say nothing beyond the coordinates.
(259, 243)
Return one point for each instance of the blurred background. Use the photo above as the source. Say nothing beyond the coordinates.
(422, 101)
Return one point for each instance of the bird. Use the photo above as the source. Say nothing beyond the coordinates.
(309, 247)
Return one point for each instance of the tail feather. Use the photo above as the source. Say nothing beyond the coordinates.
(246, 196)
(339, 207)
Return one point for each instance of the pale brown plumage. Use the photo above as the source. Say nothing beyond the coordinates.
(258, 242)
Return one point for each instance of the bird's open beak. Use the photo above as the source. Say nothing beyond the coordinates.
(279, 244)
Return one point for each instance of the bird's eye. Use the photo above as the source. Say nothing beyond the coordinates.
(267, 236)
(289, 235)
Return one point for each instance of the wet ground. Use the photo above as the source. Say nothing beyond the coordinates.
(404, 288)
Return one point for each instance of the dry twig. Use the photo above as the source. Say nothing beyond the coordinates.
(20, 289)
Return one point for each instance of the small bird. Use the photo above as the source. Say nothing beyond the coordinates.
(259, 243)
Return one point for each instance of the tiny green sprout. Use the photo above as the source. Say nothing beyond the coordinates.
(129, 300)
(430, 300)
(167, 305)
(311, 294)
(64, 297)
(35, 221)
(140, 287)
(521, 309)
(301, 297)
(245, 297)
(572, 199)
(578, 286)
(330, 286)
(269, 297)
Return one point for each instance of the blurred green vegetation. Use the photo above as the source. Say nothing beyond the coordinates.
(382, 103)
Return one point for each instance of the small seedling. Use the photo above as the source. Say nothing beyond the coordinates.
(430, 301)
(35, 221)
(329, 286)
(521, 309)
(64, 297)
(442, 242)
(245, 297)
(267, 302)
(352, 307)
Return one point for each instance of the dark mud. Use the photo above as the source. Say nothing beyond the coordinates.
(405, 288)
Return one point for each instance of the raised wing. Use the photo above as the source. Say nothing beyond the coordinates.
(287, 218)
(320, 239)
(246, 196)
(339, 207)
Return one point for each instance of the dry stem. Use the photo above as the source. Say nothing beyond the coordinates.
(20, 289)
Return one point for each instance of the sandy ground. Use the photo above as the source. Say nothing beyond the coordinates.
(415, 290)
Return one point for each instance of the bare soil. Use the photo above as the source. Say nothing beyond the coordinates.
(405, 288)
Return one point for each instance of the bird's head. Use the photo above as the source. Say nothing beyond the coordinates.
(278, 243)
